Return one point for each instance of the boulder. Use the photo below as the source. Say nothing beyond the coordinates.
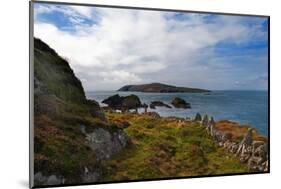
(114, 101)
(254, 164)
(123, 103)
(180, 103)
(246, 141)
(230, 146)
(211, 126)
(245, 154)
(260, 150)
(106, 143)
(41, 179)
(53, 180)
(131, 102)
(153, 104)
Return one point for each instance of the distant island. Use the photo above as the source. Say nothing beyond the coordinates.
(161, 88)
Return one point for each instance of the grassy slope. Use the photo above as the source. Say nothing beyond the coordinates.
(165, 148)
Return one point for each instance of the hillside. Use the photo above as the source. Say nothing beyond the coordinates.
(160, 88)
(67, 126)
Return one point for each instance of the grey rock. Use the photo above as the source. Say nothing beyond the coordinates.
(246, 153)
(260, 151)
(218, 135)
(211, 126)
(90, 176)
(39, 178)
(246, 141)
(106, 143)
(205, 120)
(123, 103)
(53, 180)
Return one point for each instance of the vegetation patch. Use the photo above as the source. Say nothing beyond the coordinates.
(165, 148)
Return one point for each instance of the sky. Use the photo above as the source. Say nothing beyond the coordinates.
(108, 47)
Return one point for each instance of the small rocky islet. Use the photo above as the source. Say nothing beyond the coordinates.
(77, 141)
(127, 103)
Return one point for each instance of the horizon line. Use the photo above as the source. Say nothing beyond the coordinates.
(110, 90)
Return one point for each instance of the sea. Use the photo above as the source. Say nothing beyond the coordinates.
(245, 107)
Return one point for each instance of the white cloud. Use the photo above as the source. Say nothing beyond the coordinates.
(131, 46)
(119, 76)
(83, 10)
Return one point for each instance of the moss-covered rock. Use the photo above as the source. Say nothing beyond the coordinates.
(123, 102)
(180, 103)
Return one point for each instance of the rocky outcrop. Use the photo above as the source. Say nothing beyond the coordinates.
(123, 103)
(180, 103)
(106, 143)
(48, 180)
(161, 88)
(154, 104)
(64, 153)
(254, 153)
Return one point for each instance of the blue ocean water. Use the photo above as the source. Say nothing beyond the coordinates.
(245, 107)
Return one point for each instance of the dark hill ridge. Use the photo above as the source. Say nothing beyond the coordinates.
(161, 88)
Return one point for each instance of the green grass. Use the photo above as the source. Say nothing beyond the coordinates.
(164, 148)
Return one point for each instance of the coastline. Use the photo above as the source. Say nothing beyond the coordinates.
(244, 107)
